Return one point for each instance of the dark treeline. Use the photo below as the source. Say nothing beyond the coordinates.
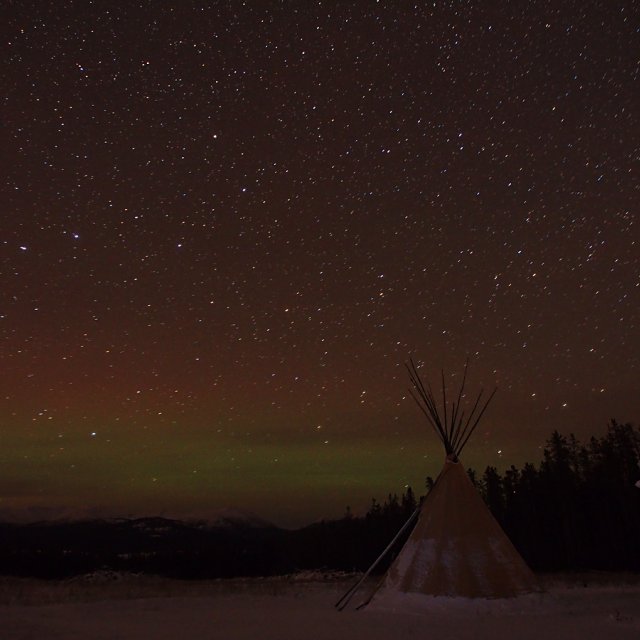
(578, 509)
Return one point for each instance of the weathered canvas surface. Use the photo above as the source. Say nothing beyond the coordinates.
(457, 548)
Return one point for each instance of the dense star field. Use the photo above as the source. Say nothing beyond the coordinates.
(226, 226)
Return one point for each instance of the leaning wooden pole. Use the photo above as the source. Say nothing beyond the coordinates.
(344, 601)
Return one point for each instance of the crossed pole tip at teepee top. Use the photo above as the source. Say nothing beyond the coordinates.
(451, 425)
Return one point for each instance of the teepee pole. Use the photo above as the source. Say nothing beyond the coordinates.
(463, 432)
(426, 401)
(444, 406)
(344, 601)
(364, 603)
(456, 420)
(475, 424)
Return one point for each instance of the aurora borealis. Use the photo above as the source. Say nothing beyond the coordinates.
(226, 226)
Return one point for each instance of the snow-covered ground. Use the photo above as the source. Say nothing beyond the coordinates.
(301, 608)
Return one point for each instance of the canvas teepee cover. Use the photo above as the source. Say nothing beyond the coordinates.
(457, 548)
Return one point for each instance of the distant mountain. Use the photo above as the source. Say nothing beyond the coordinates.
(231, 544)
(239, 518)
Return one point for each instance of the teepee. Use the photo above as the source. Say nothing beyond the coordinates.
(457, 548)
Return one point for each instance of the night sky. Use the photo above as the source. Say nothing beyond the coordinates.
(226, 226)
